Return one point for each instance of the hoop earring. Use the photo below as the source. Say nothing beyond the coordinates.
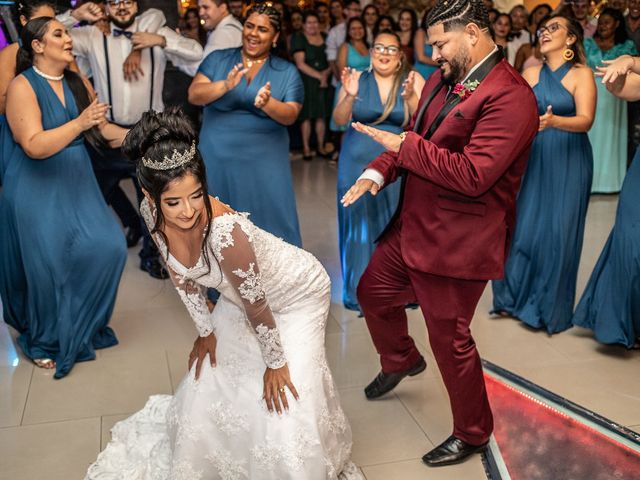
(274, 45)
(568, 54)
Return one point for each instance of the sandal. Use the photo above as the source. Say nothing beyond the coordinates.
(45, 363)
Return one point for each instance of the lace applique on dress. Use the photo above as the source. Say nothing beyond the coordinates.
(271, 347)
(183, 470)
(251, 288)
(192, 296)
(226, 419)
(292, 453)
(227, 467)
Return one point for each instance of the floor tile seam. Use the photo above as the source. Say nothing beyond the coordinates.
(414, 419)
(391, 462)
(26, 399)
(24, 425)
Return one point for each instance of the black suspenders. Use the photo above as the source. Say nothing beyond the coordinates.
(109, 92)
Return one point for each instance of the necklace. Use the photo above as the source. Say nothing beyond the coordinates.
(251, 63)
(48, 77)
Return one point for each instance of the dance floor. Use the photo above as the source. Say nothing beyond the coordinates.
(54, 429)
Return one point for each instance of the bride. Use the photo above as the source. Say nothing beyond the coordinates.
(263, 405)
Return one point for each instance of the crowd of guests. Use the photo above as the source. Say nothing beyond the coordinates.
(261, 75)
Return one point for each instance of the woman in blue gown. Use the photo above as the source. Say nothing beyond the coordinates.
(608, 135)
(359, 100)
(610, 304)
(541, 271)
(61, 251)
(249, 98)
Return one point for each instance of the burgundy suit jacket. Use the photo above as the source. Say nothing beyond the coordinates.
(457, 210)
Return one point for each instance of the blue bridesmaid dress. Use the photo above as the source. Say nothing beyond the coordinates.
(539, 286)
(358, 62)
(245, 151)
(610, 304)
(61, 250)
(361, 223)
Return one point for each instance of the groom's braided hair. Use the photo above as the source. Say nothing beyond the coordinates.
(458, 13)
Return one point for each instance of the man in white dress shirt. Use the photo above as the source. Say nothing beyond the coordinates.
(129, 99)
(225, 31)
(338, 34)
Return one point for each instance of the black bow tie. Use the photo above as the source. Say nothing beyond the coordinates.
(117, 33)
(516, 34)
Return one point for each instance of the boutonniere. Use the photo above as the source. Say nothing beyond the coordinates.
(463, 90)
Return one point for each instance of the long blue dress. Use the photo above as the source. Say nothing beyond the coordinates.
(610, 304)
(361, 223)
(245, 151)
(61, 250)
(608, 134)
(541, 271)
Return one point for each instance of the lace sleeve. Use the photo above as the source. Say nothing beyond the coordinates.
(193, 295)
(239, 265)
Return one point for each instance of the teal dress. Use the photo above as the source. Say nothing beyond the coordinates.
(360, 224)
(610, 304)
(422, 68)
(608, 134)
(358, 62)
(61, 250)
(245, 151)
(539, 284)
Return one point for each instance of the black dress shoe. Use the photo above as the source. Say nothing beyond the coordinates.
(154, 268)
(451, 451)
(133, 236)
(385, 382)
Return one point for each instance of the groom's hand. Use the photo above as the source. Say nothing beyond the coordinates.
(201, 347)
(390, 141)
(358, 189)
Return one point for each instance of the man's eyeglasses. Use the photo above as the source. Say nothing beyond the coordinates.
(115, 3)
(550, 29)
(390, 49)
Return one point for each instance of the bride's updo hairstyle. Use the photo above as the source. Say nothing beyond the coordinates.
(163, 134)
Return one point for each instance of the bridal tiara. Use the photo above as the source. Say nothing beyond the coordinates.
(177, 159)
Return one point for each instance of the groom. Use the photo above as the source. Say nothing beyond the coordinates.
(460, 166)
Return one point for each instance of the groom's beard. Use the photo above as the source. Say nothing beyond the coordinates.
(455, 69)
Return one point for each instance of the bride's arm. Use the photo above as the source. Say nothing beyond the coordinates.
(239, 264)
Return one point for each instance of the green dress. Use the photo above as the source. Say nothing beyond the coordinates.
(315, 98)
(608, 135)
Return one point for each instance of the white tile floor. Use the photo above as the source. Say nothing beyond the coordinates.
(54, 429)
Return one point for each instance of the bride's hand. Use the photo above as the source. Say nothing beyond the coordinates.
(275, 381)
(201, 347)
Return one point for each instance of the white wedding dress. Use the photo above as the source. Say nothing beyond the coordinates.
(272, 310)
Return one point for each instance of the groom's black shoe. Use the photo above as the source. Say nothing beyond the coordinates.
(451, 451)
(385, 382)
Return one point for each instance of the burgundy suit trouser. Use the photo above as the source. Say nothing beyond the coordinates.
(447, 304)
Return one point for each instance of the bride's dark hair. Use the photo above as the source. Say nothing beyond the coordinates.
(155, 136)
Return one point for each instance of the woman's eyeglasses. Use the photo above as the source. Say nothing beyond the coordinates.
(550, 29)
(390, 49)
